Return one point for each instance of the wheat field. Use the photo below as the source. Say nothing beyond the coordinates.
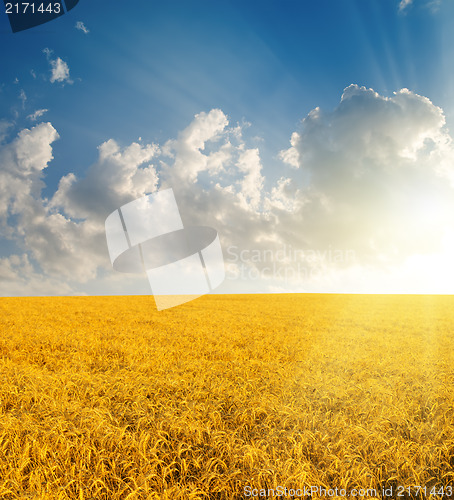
(226, 397)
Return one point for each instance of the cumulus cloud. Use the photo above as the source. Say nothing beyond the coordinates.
(59, 68)
(363, 197)
(379, 168)
(23, 161)
(18, 277)
(60, 71)
(59, 246)
(379, 176)
(81, 27)
(187, 150)
(291, 156)
(37, 114)
(120, 175)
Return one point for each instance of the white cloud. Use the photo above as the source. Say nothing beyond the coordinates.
(23, 97)
(60, 71)
(285, 196)
(17, 275)
(4, 127)
(23, 161)
(404, 4)
(37, 114)
(119, 176)
(368, 198)
(187, 150)
(81, 27)
(433, 5)
(291, 156)
(251, 185)
(380, 183)
(58, 245)
(59, 68)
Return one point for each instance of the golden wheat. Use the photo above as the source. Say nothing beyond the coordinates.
(105, 398)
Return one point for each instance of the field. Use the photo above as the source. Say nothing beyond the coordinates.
(106, 398)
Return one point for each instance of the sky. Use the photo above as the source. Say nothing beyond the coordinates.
(314, 136)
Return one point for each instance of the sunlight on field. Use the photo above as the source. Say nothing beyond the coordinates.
(106, 398)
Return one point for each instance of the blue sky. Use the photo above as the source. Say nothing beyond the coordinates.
(145, 70)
